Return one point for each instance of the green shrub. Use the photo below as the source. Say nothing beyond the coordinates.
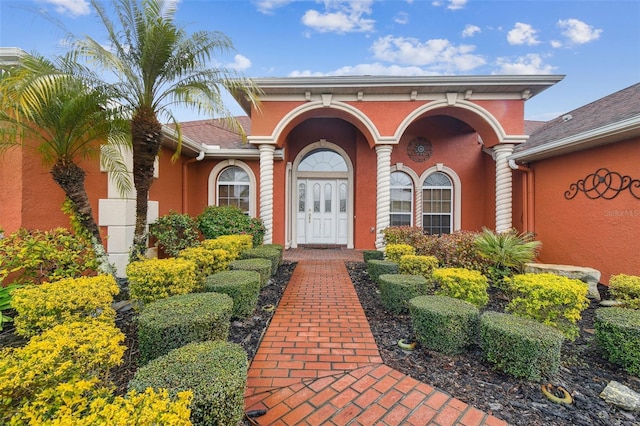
(216, 221)
(33, 257)
(215, 371)
(207, 261)
(417, 265)
(368, 255)
(463, 284)
(393, 252)
(618, 337)
(263, 252)
(153, 279)
(375, 268)
(396, 290)
(259, 265)
(242, 286)
(5, 302)
(519, 346)
(626, 289)
(279, 248)
(550, 299)
(507, 252)
(174, 232)
(39, 308)
(410, 235)
(175, 321)
(444, 324)
(234, 244)
(65, 353)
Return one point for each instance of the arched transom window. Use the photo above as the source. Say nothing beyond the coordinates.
(437, 204)
(233, 188)
(322, 160)
(401, 199)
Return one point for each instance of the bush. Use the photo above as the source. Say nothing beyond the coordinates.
(375, 268)
(444, 324)
(215, 371)
(234, 244)
(278, 247)
(207, 261)
(626, 289)
(520, 347)
(618, 337)
(83, 403)
(271, 254)
(410, 235)
(42, 307)
(368, 255)
(396, 290)
(216, 221)
(393, 252)
(242, 286)
(259, 265)
(463, 284)
(507, 252)
(33, 257)
(174, 232)
(65, 353)
(417, 265)
(175, 321)
(5, 302)
(550, 299)
(153, 279)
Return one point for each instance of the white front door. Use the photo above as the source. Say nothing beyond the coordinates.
(322, 211)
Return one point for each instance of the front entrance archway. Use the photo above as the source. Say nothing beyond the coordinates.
(322, 196)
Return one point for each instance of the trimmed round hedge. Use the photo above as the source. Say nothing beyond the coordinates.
(618, 336)
(375, 268)
(259, 265)
(444, 324)
(242, 286)
(396, 290)
(264, 252)
(215, 371)
(175, 321)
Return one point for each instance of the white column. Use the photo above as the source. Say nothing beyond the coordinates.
(266, 190)
(383, 192)
(504, 194)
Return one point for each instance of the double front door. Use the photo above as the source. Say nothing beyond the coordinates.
(322, 211)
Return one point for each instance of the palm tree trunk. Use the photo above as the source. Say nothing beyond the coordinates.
(71, 179)
(146, 137)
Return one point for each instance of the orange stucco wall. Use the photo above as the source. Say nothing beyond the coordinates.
(602, 234)
(11, 190)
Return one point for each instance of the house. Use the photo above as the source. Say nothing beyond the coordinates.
(332, 161)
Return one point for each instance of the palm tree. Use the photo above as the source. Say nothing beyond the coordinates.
(45, 108)
(158, 65)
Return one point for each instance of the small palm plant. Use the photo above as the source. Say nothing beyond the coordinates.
(507, 251)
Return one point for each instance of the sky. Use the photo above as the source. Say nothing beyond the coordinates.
(594, 43)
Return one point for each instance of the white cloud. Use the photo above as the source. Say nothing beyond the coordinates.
(556, 44)
(522, 34)
(240, 63)
(528, 64)
(438, 54)
(375, 68)
(470, 31)
(401, 18)
(268, 6)
(451, 4)
(578, 32)
(71, 7)
(341, 17)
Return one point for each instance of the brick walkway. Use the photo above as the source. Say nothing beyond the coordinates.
(318, 363)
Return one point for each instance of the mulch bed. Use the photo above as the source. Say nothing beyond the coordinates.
(472, 380)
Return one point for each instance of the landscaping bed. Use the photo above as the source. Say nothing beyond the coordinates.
(469, 378)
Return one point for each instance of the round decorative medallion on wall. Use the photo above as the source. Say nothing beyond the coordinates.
(420, 149)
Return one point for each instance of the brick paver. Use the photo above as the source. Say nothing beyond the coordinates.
(318, 362)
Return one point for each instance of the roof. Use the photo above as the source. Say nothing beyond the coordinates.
(610, 119)
(217, 132)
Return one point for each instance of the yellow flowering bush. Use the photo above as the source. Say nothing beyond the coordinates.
(67, 352)
(626, 288)
(85, 403)
(393, 252)
(207, 261)
(550, 299)
(464, 284)
(234, 244)
(411, 264)
(153, 279)
(41, 307)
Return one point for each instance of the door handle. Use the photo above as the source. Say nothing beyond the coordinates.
(309, 217)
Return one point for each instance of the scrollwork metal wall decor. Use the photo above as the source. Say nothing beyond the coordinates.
(604, 184)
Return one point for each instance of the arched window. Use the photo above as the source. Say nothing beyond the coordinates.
(401, 199)
(233, 188)
(322, 160)
(437, 204)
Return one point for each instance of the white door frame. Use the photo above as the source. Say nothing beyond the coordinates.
(293, 188)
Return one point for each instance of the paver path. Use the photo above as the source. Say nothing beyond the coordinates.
(318, 363)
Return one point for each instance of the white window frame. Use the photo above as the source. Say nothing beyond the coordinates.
(213, 183)
(456, 208)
